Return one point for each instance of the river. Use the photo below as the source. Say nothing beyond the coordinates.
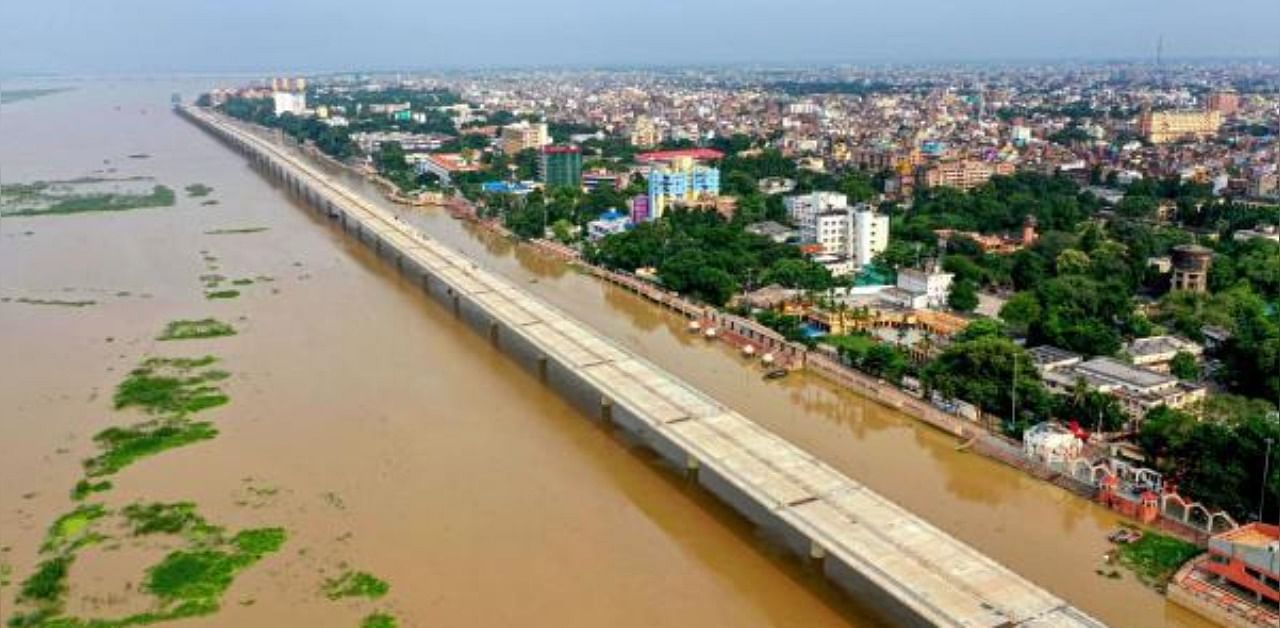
(399, 442)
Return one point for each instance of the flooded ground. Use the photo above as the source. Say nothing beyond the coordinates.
(397, 442)
(363, 419)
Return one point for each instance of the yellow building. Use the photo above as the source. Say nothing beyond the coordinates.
(524, 136)
(1161, 127)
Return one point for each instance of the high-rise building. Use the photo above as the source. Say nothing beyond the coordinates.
(682, 180)
(561, 166)
(802, 209)
(1225, 102)
(1161, 127)
(645, 134)
(524, 135)
(825, 218)
(289, 95)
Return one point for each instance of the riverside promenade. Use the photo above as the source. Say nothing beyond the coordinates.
(886, 557)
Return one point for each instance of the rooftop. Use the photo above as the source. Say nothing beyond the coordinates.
(1126, 374)
(1046, 355)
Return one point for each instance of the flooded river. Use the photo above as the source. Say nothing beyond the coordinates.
(393, 439)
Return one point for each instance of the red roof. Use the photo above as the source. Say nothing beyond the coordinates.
(702, 154)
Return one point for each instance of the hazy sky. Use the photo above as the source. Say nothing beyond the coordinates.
(126, 36)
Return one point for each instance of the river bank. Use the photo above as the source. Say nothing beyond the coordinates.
(1043, 532)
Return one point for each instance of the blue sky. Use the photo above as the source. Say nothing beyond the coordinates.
(128, 36)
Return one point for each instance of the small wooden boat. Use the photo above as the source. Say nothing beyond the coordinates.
(767, 359)
(748, 351)
(778, 373)
(695, 326)
(710, 333)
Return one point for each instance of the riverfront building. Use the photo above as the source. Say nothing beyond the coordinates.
(1237, 583)
(1138, 390)
(682, 181)
(561, 166)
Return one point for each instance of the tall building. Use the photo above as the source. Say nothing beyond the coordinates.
(682, 180)
(524, 135)
(802, 209)
(963, 174)
(561, 166)
(1161, 127)
(645, 134)
(1191, 267)
(857, 233)
(289, 95)
(1225, 102)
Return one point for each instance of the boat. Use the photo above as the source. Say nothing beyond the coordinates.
(748, 351)
(767, 359)
(710, 333)
(1124, 536)
(695, 326)
(777, 373)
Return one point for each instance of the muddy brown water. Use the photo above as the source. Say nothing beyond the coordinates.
(398, 442)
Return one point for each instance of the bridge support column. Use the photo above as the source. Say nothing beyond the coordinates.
(606, 409)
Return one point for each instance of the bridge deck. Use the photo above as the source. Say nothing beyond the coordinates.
(940, 579)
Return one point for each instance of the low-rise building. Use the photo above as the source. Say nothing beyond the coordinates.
(1237, 582)
(963, 174)
(1138, 390)
(924, 289)
(1157, 352)
(777, 232)
(609, 223)
(445, 165)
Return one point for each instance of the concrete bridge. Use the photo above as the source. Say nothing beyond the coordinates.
(888, 558)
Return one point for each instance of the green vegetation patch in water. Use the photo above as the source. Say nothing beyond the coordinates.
(170, 386)
(178, 519)
(204, 328)
(85, 488)
(379, 620)
(1156, 557)
(79, 203)
(222, 294)
(355, 584)
(49, 582)
(122, 446)
(198, 189)
(195, 580)
(74, 529)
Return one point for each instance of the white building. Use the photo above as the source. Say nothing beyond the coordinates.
(925, 289)
(870, 235)
(801, 209)
(609, 223)
(292, 102)
(858, 233)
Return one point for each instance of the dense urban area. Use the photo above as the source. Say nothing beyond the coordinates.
(1082, 261)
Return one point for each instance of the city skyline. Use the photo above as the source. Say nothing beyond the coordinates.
(141, 36)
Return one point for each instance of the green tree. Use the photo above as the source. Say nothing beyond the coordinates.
(1184, 366)
(963, 296)
(1020, 312)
